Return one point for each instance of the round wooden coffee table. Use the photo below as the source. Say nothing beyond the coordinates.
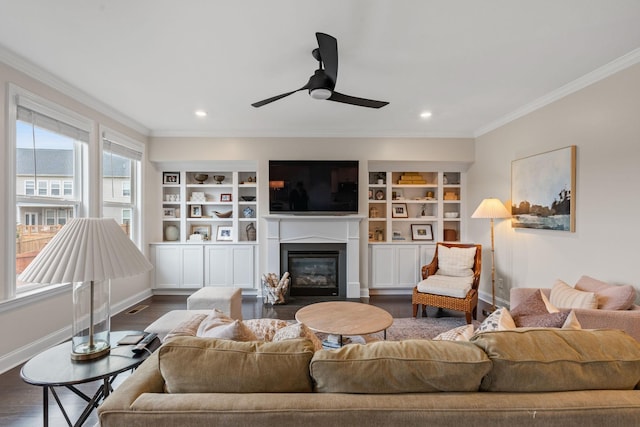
(345, 318)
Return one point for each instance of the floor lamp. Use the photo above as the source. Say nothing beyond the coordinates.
(88, 252)
(492, 209)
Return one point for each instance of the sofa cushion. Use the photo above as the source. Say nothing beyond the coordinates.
(547, 360)
(610, 297)
(410, 366)
(455, 261)
(204, 365)
(564, 296)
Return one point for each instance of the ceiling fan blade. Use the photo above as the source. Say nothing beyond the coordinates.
(361, 102)
(275, 98)
(329, 53)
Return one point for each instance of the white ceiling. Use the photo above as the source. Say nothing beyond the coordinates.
(471, 62)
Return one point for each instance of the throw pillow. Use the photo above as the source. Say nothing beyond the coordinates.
(297, 330)
(550, 307)
(188, 328)
(455, 261)
(572, 321)
(499, 320)
(461, 333)
(533, 304)
(610, 297)
(265, 329)
(219, 325)
(564, 296)
(543, 320)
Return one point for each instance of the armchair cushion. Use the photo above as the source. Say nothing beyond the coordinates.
(610, 297)
(450, 286)
(454, 261)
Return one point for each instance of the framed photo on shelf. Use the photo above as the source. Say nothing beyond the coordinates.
(202, 230)
(171, 177)
(225, 197)
(196, 211)
(224, 232)
(399, 210)
(421, 232)
(168, 212)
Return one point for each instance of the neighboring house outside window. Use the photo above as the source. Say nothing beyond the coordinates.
(121, 173)
(51, 147)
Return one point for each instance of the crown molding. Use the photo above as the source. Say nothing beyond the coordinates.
(32, 70)
(598, 74)
(306, 134)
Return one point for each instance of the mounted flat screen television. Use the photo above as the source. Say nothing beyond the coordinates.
(313, 186)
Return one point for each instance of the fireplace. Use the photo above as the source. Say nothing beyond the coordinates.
(316, 269)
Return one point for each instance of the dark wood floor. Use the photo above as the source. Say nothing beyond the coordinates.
(21, 403)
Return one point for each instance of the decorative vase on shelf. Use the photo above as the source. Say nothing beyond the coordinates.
(171, 233)
(251, 232)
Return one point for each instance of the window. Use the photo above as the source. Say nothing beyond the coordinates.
(121, 172)
(51, 147)
(55, 188)
(42, 188)
(29, 187)
(67, 188)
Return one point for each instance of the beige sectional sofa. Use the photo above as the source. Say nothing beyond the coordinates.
(522, 377)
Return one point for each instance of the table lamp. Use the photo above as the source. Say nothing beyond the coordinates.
(492, 208)
(88, 252)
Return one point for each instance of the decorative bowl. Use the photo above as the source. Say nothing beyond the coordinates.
(200, 177)
(219, 178)
(223, 214)
(451, 214)
(248, 198)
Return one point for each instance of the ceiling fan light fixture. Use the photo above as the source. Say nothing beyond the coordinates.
(320, 93)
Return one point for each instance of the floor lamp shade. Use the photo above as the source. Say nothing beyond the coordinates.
(492, 208)
(88, 252)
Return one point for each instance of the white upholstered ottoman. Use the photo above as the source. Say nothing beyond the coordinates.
(226, 299)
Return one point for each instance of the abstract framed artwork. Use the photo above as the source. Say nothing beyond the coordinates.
(543, 190)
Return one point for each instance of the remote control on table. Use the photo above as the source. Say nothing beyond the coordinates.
(142, 345)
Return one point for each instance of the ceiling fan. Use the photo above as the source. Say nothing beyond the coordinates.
(323, 81)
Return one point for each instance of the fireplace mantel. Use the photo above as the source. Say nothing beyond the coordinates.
(316, 229)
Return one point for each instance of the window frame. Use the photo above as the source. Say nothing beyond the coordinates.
(17, 96)
(135, 206)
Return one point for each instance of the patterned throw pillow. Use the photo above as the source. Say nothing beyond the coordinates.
(265, 329)
(297, 330)
(533, 304)
(499, 320)
(461, 333)
(544, 320)
(564, 296)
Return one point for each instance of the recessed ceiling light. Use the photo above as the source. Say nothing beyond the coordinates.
(425, 114)
(201, 113)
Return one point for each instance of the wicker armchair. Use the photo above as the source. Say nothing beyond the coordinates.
(469, 304)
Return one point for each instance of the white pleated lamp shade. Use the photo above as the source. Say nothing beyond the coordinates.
(87, 249)
(491, 208)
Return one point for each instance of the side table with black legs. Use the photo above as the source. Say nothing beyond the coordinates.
(54, 368)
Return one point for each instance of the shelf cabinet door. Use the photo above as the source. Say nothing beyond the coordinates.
(395, 266)
(230, 266)
(177, 266)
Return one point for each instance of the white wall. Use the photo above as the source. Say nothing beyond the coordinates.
(603, 121)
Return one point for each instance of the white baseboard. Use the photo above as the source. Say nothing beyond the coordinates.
(24, 353)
